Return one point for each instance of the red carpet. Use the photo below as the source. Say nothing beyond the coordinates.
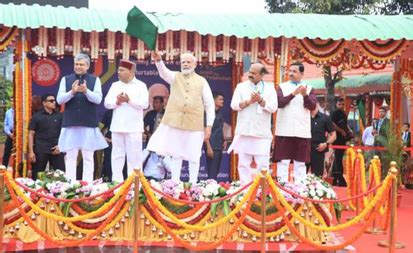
(404, 228)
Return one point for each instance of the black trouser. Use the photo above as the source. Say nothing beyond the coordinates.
(56, 162)
(107, 165)
(8, 146)
(338, 168)
(316, 162)
(213, 164)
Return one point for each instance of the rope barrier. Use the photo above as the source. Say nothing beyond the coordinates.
(112, 202)
(317, 246)
(345, 147)
(155, 202)
(89, 237)
(328, 200)
(356, 219)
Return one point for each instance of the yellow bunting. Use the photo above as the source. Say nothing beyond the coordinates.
(164, 210)
(176, 231)
(122, 191)
(88, 231)
(352, 222)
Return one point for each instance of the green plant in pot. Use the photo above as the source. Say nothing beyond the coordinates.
(393, 144)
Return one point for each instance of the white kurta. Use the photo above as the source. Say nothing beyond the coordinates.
(87, 138)
(179, 143)
(253, 131)
(127, 125)
(127, 117)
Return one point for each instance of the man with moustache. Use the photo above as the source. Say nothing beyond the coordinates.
(128, 97)
(296, 100)
(182, 129)
(255, 101)
(339, 118)
(216, 143)
(81, 93)
(322, 136)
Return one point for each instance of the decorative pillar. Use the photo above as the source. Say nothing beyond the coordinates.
(22, 106)
(396, 93)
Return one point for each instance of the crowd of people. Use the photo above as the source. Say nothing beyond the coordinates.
(189, 123)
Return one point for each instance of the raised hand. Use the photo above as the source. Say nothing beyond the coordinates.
(82, 88)
(75, 86)
(303, 90)
(156, 56)
(255, 97)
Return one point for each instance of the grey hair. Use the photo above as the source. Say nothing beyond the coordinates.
(84, 57)
(190, 55)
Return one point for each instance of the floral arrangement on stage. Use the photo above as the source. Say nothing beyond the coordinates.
(71, 213)
(183, 199)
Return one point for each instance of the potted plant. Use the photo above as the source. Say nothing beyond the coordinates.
(393, 144)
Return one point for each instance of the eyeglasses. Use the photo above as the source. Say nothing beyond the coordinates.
(51, 100)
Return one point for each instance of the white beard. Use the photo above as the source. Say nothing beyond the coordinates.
(187, 71)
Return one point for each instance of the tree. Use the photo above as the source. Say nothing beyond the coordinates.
(346, 7)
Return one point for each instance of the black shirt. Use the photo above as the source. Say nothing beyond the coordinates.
(320, 125)
(217, 134)
(340, 119)
(106, 121)
(150, 119)
(47, 130)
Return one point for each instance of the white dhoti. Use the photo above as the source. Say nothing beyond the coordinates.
(85, 139)
(300, 171)
(180, 145)
(129, 145)
(247, 148)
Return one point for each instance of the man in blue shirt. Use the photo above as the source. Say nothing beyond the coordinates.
(8, 129)
(215, 144)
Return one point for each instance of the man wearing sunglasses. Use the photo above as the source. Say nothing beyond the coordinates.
(44, 131)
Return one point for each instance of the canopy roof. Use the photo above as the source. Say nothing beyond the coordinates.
(336, 27)
(371, 82)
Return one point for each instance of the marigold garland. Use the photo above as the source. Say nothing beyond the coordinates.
(189, 220)
(87, 231)
(89, 237)
(214, 244)
(321, 50)
(18, 114)
(154, 222)
(383, 51)
(20, 219)
(151, 196)
(267, 234)
(123, 190)
(9, 37)
(355, 220)
(324, 247)
(25, 124)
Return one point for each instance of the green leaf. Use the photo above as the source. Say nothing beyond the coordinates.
(214, 207)
(338, 208)
(225, 207)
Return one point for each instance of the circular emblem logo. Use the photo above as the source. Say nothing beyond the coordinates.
(45, 72)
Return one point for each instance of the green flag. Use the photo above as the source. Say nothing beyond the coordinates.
(362, 114)
(141, 27)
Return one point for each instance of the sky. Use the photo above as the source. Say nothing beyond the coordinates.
(184, 6)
